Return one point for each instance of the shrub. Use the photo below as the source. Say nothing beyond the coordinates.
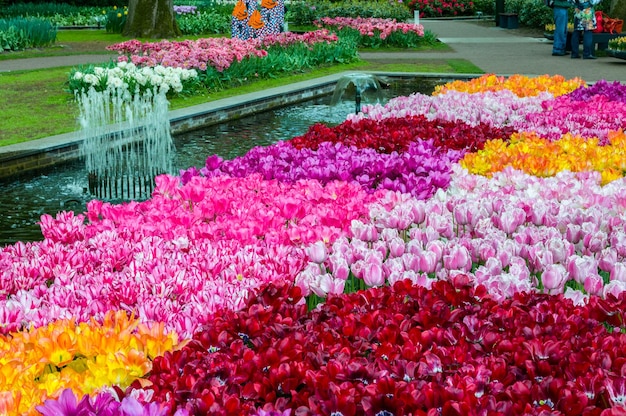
(534, 13)
(202, 22)
(486, 7)
(60, 14)
(115, 20)
(304, 13)
(23, 33)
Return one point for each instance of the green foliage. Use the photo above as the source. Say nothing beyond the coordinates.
(22, 33)
(115, 20)
(59, 14)
(396, 39)
(378, 8)
(302, 13)
(486, 7)
(279, 61)
(203, 22)
(534, 13)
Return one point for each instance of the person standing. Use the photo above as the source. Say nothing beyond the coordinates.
(560, 14)
(585, 23)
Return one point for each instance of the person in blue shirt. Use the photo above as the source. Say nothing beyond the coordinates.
(585, 23)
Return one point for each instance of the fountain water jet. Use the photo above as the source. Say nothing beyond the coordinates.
(127, 141)
(365, 88)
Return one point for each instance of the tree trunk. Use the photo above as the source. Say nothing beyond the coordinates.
(618, 9)
(151, 19)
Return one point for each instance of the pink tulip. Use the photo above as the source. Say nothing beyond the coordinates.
(325, 284)
(437, 247)
(373, 270)
(418, 211)
(457, 258)
(595, 242)
(593, 284)
(396, 247)
(553, 278)
(561, 249)
(317, 252)
(618, 273)
(365, 232)
(581, 267)
(614, 288)
(574, 233)
(576, 296)
(339, 266)
(607, 258)
(428, 261)
(511, 219)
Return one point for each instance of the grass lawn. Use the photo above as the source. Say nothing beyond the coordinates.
(36, 103)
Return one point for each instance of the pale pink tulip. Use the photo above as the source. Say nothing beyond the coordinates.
(457, 258)
(553, 278)
(618, 273)
(317, 252)
(579, 267)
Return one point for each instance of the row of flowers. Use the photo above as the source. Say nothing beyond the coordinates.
(378, 205)
(179, 67)
(376, 32)
(371, 26)
(140, 63)
(398, 350)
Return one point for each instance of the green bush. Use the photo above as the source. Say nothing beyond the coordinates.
(23, 33)
(115, 20)
(84, 3)
(303, 13)
(534, 13)
(281, 60)
(486, 7)
(59, 14)
(203, 22)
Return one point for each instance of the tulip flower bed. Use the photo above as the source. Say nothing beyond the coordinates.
(214, 62)
(374, 32)
(492, 258)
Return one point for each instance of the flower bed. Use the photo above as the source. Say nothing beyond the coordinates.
(214, 62)
(374, 33)
(494, 254)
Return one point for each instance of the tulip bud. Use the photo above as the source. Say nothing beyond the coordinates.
(317, 252)
(619, 272)
(428, 261)
(593, 284)
(396, 247)
(373, 275)
(581, 267)
(553, 278)
(458, 258)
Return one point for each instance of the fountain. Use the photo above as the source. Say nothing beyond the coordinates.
(127, 141)
(363, 87)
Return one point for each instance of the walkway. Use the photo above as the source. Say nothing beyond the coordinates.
(505, 52)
